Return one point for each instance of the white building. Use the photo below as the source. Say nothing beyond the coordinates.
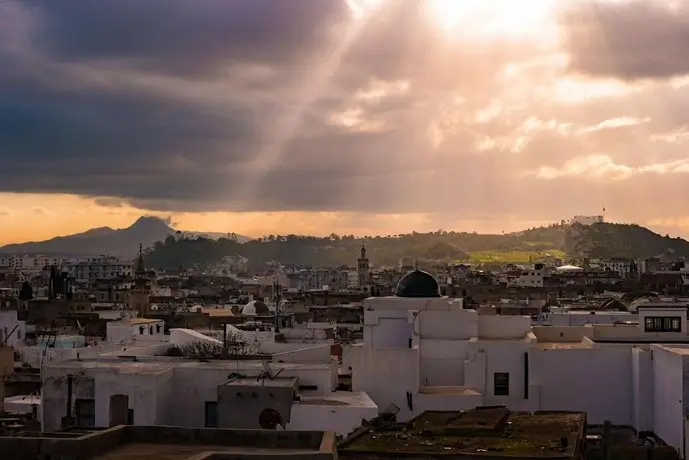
(163, 390)
(532, 277)
(424, 352)
(130, 330)
(420, 352)
(563, 316)
(587, 220)
(94, 268)
(28, 266)
(12, 330)
(622, 267)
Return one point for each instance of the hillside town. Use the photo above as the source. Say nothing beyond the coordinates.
(582, 360)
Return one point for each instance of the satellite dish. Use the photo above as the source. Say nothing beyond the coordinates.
(269, 419)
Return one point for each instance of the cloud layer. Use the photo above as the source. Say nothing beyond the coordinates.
(302, 105)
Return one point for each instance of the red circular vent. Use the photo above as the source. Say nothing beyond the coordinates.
(269, 419)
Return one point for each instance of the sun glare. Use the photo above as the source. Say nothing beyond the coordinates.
(491, 17)
(360, 8)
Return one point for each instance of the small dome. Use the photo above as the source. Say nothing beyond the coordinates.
(255, 308)
(418, 284)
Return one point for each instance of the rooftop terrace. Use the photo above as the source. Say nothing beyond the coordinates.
(489, 431)
(171, 443)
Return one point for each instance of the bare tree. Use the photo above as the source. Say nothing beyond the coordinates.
(235, 346)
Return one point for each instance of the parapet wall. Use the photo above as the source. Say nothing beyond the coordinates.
(313, 445)
(269, 439)
(58, 447)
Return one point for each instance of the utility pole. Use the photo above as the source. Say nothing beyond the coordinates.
(278, 291)
(224, 340)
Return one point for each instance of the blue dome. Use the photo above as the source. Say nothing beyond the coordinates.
(418, 284)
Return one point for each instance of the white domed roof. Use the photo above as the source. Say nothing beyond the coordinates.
(255, 308)
(249, 309)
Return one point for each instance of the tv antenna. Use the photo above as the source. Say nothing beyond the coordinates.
(267, 372)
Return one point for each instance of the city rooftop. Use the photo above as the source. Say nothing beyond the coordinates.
(482, 431)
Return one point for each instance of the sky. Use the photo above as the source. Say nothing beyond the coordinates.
(348, 116)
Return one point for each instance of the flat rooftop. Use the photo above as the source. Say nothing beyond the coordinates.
(485, 431)
(148, 451)
(645, 340)
(562, 345)
(338, 398)
(449, 390)
(680, 349)
(146, 363)
(279, 382)
(141, 321)
(171, 443)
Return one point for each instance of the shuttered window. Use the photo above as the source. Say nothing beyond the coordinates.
(663, 324)
(211, 414)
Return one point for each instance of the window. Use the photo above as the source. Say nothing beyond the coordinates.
(211, 414)
(663, 324)
(85, 413)
(501, 384)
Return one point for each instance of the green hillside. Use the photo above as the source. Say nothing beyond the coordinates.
(556, 241)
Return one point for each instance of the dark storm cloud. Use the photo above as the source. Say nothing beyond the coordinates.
(205, 105)
(76, 118)
(629, 40)
(182, 36)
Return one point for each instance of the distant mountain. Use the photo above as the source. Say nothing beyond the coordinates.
(604, 241)
(169, 248)
(557, 241)
(215, 235)
(122, 242)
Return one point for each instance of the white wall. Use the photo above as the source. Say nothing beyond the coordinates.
(304, 334)
(391, 332)
(442, 362)
(11, 329)
(445, 402)
(504, 356)
(669, 312)
(35, 356)
(388, 322)
(165, 407)
(342, 419)
(503, 327)
(163, 391)
(667, 395)
(386, 376)
(54, 395)
(642, 385)
(179, 336)
(125, 332)
(152, 332)
(306, 354)
(597, 381)
(23, 404)
(118, 332)
(443, 340)
(142, 390)
(581, 319)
